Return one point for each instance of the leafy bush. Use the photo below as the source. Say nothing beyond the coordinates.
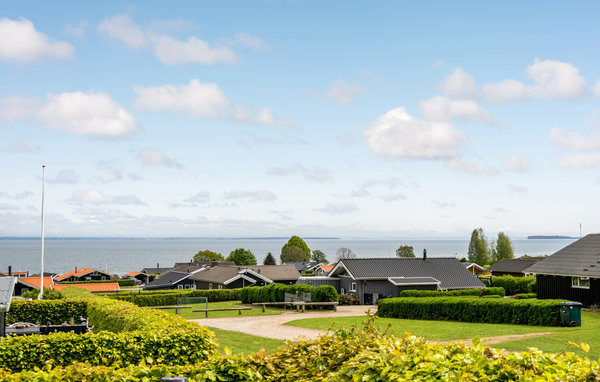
(514, 285)
(275, 292)
(523, 296)
(324, 293)
(348, 299)
(170, 297)
(508, 311)
(43, 312)
(453, 293)
(121, 282)
(49, 294)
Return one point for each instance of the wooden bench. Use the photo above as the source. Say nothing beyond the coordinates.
(284, 304)
(221, 310)
(177, 307)
(331, 303)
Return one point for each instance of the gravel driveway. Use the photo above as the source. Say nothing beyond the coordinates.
(273, 326)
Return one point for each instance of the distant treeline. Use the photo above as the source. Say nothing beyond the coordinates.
(551, 237)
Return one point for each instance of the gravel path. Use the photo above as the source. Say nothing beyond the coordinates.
(273, 326)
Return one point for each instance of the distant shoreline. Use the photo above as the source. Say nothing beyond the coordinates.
(168, 238)
(551, 237)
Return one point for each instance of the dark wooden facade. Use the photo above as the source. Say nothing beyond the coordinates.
(549, 287)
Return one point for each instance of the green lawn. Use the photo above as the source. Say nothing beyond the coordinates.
(244, 343)
(449, 330)
(189, 314)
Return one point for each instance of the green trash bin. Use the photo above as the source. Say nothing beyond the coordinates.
(570, 313)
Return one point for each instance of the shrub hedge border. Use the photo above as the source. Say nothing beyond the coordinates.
(453, 293)
(275, 292)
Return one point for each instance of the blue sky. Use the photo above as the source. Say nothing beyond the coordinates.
(274, 118)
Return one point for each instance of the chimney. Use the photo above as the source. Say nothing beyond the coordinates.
(75, 269)
(10, 270)
(424, 254)
(157, 266)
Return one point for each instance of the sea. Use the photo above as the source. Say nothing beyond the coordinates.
(120, 255)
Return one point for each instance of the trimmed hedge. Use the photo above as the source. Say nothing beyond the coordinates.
(275, 292)
(123, 334)
(163, 299)
(524, 296)
(122, 282)
(514, 285)
(453, 293)
(43, 312)
(468, 309)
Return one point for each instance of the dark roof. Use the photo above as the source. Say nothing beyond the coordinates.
(167, 279)
(220, 274)
(303, 266)
(514, 265)
(580, 258)
(449, 271)
(276, 272)
(413, 281)
(156, 270)
(216, 274)
(188, 267)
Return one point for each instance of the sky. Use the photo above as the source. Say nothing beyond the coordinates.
(350, 119)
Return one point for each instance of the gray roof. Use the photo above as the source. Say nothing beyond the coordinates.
(448, 270)
(413, 281)
(304, 265)
(220, 274)
(216, 274)
(580, 258)
(167, 279)
(514, 265)
(155, 270)
(276, 272)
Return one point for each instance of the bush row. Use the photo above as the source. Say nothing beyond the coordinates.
(122, 282)
(514, 285)
(162, 299)
(43, 312)
(523, 296)
(453, 293)
(348, 299)
(467, 309)
(275, 292)
(123, 334)
(355, 354)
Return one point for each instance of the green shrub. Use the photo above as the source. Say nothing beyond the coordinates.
(523, 296)
(170, 297)
(324, 293)
(49, 294)
(275, 292)
(508, 311)
(491, 296)
(348, 299)
(42, 312)
(514, 285)
(453, 293)
(121, 282)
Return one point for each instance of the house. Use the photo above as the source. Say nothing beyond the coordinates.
(572, 273)
(372, 279)
(229, 277)
(142, 277)
(172, 280)
(477, 269)
(324, 269)
(92, 287)
(156, 270)
(83, 274)
(305, 266)
(25, 284)
(15, 273)
(513, 267)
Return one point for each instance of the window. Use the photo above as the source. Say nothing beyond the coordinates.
(353, 287)
(220, 286)
(179, 286)
(580, 282)
(88, 278)
(103, 277)
(342, 291)
(187, 286)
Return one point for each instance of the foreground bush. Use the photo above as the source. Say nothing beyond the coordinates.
(170, 297)
(514, 285)
(43, 312)
(121, 282)
(275, 292)
(355, 354)
(453, 293)
(469, 309)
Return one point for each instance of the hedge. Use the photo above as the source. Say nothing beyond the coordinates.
(523, 296)
(163, 299)
(514, 285)
(123, 334)
(353, 354)
(122, 282)
(453, 293)
(42, 312)
(275, 292)
(468, 309)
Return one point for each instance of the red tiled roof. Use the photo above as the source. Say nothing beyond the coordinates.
(134, 273)
(92, 287)
(35, 281)
(78, 273)
(327, 268)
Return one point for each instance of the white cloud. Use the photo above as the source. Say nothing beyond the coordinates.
(77, 30)
(173, 52)
(18, 196)
(251, 41)
(555, 80)
(201, 197)
(517, 188)
(197, 98)
(581, 160)
(21, 42)
(265, 117)
(125, 30)
(151, 157)
(97, 197)
(516, 164)
(459, 84)
(339, 208)
(443, 204)
(16, 108)
(252, 196)
(470, 168)
(573, 140)
(440, 108)
(314, 174)
(596, 88)
(64, 177)
(504, 91)
(393, 197)
(399, 134)
(341, 92)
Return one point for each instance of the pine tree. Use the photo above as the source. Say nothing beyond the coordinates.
(269, 260)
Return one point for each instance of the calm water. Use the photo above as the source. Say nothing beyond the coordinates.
(123, 255)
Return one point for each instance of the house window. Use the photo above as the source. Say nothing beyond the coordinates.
(187, 286)
(88, 278)
(220, 286)
(103, 277)
(580, 282)
(342, 291)
(209, 285)
(352, 287)
(179, 286)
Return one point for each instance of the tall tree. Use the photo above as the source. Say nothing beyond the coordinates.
(478, 248)
(295, 250)
(503, 249)
(241, 256)
(344, 253)
(405, 251)
(269, 260)
(319, 256)
(207, 256)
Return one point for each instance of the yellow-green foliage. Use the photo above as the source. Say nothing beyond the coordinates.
(43, 312)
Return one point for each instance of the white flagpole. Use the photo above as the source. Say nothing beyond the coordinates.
(42, 266)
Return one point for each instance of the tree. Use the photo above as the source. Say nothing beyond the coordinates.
(405, 251)
(345, 253)
(207, 256)
(241, 256)
(478, 248)
(295, 250)
(270, 260)
(503, 249)
(319, 256)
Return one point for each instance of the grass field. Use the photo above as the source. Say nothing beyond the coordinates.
(189, 314)
(449, 330)
(240, 343)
